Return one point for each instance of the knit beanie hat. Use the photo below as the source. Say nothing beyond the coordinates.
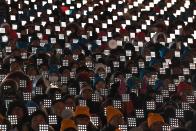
(112, 112)
(82, 110)
(153, 118)
(66, 124)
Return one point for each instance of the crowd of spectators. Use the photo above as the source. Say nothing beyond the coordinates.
(97, 65)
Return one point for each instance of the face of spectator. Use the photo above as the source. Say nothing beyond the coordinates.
(146, 52)
(23, 32)
(44, 68)
(12, 43)
(166, 82)
(116, 121)
(100, 85)
(77, 52)
(69, 103)
(82, 120)
(36, 121)
(89, 28)
(75, 66)
(58, 108)
(15, 67)
(86, 94)
(169, 55)
(31, 72)
(161, 38)
(9, 95)
(91, 73)
(121, 77)
(101, 71)
(157, 66)
(31, 29)
(185, 93)
(18, 111)
(66, 73)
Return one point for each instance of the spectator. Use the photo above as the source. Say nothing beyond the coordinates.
(65, 63)
(37, 118)
(19, 109)
(82, 117)
(58, 107)
(114, 118)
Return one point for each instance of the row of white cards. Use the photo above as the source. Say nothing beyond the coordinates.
(171, 38)
(132, 122)
(110, 21)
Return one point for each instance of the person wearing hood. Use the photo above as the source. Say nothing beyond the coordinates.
(99, 84)
(160, 38)
(100, 70)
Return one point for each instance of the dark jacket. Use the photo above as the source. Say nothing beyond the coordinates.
(91, 127)
(109, 128)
